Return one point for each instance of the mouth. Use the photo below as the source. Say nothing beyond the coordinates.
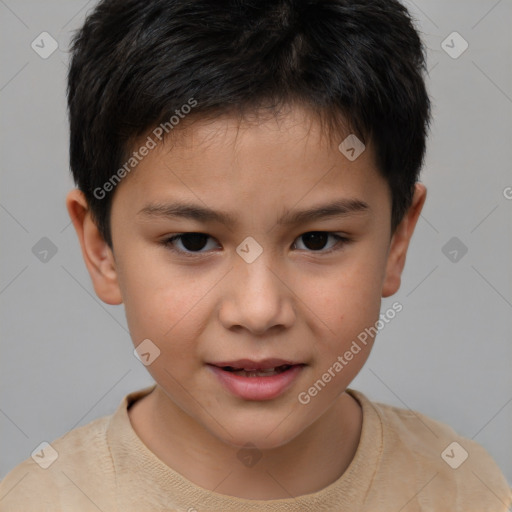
(257, 380)
(250, 368)
(254, 372)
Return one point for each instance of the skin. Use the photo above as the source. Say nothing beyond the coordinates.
(292, 302)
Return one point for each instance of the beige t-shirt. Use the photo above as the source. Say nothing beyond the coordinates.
(399, 466)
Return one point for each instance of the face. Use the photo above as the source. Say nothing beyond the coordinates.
(242, 278)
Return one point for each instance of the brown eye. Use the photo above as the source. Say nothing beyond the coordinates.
(194, 244)
(191, 243)
(316, 241)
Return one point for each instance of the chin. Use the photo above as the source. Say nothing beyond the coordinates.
(264, 433)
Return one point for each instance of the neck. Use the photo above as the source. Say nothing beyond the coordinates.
(311, 461)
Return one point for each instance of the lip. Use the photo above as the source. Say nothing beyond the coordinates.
(257, 388)
(249, 364)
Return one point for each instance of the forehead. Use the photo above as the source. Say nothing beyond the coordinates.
(297, 121)
(226, 160)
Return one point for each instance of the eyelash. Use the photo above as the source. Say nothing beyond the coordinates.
(168, 243)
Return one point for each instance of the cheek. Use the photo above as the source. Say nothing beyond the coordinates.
(346, 302)
(168, 308)
(348, 293)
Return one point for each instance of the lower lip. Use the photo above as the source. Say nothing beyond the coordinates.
(257, 388)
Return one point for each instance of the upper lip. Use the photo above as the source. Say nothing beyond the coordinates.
(248, 364)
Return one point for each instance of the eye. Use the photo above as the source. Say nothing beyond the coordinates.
(316, 240)
(192, 243)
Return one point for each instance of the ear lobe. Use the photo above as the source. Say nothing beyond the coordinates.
(98, 256)
(400, 242)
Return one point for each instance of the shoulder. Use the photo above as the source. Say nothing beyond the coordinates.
(447, 470)
(73, 472)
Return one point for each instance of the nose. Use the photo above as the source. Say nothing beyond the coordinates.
(258, 298)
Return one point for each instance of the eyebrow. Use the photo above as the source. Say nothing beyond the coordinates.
(186, 210)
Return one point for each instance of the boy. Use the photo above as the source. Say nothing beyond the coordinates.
(256, 128)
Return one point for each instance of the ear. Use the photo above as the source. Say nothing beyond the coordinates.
(400, 242)
(97, 255)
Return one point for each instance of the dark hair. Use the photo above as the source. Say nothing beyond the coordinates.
(135, 63)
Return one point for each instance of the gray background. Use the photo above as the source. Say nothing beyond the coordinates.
(66, 357)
